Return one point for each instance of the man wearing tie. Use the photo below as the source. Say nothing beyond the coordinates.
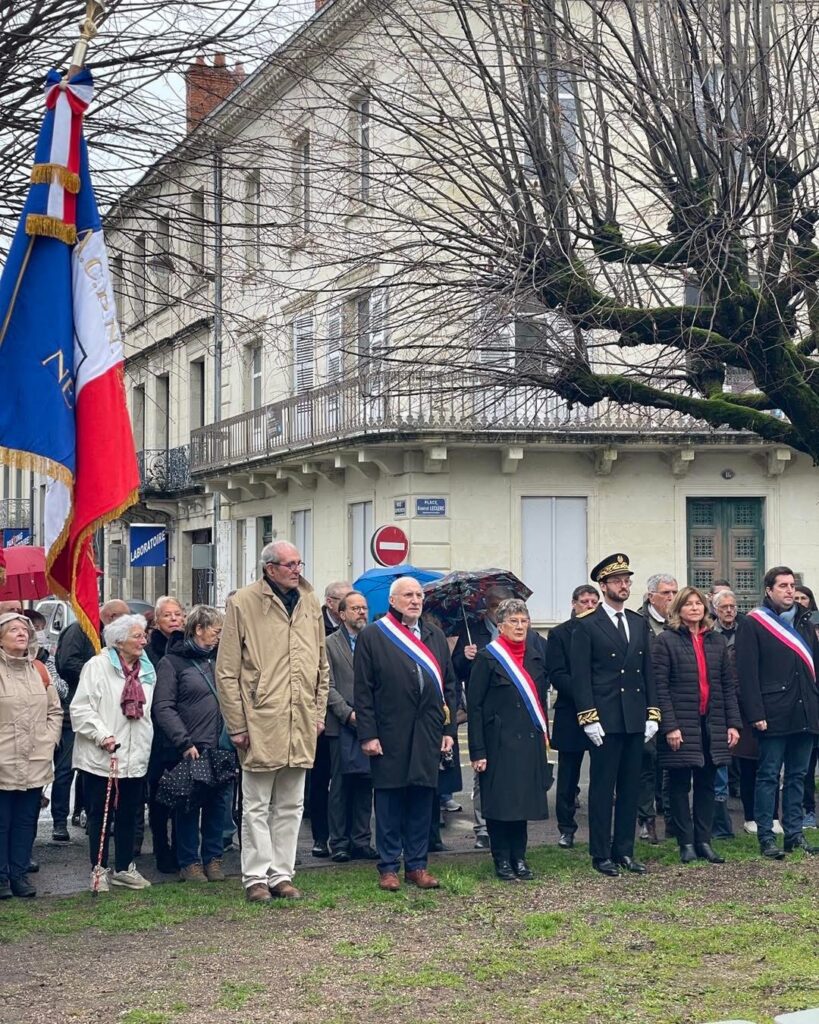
(613, 691)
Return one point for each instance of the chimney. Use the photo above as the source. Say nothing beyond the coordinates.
(206, 87)
(321, 3)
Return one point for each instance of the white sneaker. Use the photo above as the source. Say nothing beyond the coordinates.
(131, 878)
(101, 878)
(750, 827)
(777, 827)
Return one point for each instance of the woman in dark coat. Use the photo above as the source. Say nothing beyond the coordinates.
(185, 708)
(700, 718)
(506, 746)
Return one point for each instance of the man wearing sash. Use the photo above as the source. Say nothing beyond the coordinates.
(777, 656)
(405, 702)
(613, 690)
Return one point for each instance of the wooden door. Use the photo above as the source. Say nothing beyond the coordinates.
(726, 540)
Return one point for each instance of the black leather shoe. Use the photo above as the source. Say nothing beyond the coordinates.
(60, 834)
(522, 870)
(166, 863)
(566, 841)
(632, 865)
(320, 850)
(340, 856)
(5, 890)
(481, 842)
(687, 854)
(770, 850)
(503, 869)
(800, 843)
(606, 867)
(33, 867)
(706, 852)
(22, 887)
(438, 847)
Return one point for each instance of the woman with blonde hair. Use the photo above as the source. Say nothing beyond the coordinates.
(700, 718)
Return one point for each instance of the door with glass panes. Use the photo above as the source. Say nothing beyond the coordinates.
(726, 540)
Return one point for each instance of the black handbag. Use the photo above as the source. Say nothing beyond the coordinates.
(353, 759)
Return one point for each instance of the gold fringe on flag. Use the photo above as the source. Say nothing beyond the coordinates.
(44, 174)
(50, 227)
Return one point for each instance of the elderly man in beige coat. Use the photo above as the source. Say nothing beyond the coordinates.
(272, 678)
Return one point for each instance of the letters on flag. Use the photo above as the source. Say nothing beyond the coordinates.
(66, 415)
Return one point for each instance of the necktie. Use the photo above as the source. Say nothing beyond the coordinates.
(621, 626)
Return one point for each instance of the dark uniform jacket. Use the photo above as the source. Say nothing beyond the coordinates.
(513, 787)
(774, 682)
(340, 695)
(613, 683)
(566, 733)
(480, 636)
(678, 692)
(398, 704)
(185, 708)
(329, 626)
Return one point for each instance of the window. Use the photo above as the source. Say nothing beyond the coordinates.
(559, 94)
(363, 146)
(553, 555)
(163, 411)
(361, 530)
(140, 278)
(301, 524)
(303, 354)
(197, 230)
(301, 175)
(255, 366)
(116, 281)
(197, 393)
(253, 216)
(138, 416)
(334, 354)
(162, 262)
(371, 316)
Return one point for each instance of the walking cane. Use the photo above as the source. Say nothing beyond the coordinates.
(113, 775)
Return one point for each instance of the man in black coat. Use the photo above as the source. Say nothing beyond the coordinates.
(777, 659)
(613, 690)
(405, 704)
(568, 739)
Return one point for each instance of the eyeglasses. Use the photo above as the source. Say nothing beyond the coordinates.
(292, 566)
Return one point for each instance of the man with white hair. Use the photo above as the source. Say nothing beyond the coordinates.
(405, 700)
(272, 677)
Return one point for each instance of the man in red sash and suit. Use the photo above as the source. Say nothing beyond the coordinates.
(405, 702)
(777, 656)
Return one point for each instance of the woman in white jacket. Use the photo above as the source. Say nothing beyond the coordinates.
(111, 717)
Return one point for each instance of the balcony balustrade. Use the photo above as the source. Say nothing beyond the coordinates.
(165, 470)
(15, 513)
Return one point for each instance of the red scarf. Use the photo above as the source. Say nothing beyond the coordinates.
(132, 700)
(702, 670)
(514, 648)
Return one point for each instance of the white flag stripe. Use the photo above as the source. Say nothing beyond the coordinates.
(56, 511)
(60, 142)
(97, 340)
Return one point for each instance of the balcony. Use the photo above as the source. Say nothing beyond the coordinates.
(15, 513)
(378, 406)
(165, 470)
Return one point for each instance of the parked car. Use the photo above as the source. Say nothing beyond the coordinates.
(59, 614)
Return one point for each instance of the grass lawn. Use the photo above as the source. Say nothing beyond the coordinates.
(684, 944)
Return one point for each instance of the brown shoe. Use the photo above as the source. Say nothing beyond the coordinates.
(214, 871)
(389, 882)
(285, 891)
(192, 873)
(422, 878)
(257, 893)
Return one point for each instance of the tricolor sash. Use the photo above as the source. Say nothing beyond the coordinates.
(410, 644)
(524, 683)
(785, 634)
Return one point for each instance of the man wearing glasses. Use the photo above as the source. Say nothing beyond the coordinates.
(272, 678)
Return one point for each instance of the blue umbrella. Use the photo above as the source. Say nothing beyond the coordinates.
(375, 584)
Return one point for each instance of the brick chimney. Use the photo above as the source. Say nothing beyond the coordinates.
(206, 87)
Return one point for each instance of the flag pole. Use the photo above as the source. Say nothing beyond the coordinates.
(94, 11)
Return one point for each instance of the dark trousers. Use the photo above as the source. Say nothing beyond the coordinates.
(63, 777)
(647, 807)
(809, 799)
(130, 802)
(349, 805)
(507, 839)
(568, 777)
(615, 769)
(693, 827)
(19, 810)
(320, 791)
(402, 819)
(200, 831)
(792, 751)
(162, 822)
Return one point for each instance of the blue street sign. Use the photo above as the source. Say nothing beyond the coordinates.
(148, 545)
(430, 506)
(12, 537)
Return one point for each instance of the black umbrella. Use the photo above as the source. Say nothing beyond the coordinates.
(452, 596)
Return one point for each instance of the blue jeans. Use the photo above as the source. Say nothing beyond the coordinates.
(19, 810)
(199, 832)
(793, 752)
(721, 783)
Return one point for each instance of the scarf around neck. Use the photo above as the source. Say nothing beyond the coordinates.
(132, 700)
(516, 649)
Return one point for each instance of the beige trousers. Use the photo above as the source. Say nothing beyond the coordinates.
(272, 805)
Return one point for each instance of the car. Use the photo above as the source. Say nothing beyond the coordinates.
(59, 614)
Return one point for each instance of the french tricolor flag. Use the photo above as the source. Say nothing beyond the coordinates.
(64, 412)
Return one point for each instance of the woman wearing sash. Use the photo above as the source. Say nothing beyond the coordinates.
(700, 718)
(507, 737)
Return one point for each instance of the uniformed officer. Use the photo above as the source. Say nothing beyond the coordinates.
(613, 691)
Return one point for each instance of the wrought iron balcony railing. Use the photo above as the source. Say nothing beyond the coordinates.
(15, 513)
(165, 470)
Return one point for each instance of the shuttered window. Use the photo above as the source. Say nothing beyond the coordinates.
(304, 361)
(553, 555)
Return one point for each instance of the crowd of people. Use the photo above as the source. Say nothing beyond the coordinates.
(230, 721)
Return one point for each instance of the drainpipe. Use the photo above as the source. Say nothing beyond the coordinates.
(217, 336)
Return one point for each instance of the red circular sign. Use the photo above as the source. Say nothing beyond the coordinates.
(390, 545)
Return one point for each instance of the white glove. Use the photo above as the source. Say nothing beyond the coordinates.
(595, 733)
(651, 730)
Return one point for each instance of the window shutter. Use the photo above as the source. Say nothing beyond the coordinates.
(378, 322)
(303, 354)
(334, 355)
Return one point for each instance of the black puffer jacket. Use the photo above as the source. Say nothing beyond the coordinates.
(185, 708)
(678, 693)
